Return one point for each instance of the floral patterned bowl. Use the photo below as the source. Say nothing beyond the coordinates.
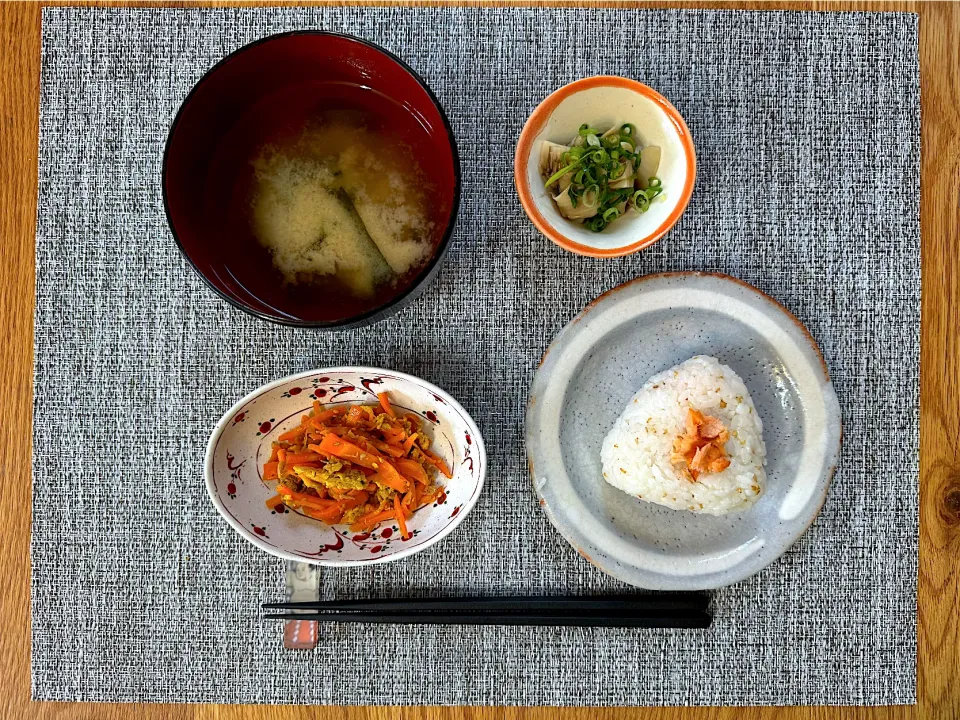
(241, 443)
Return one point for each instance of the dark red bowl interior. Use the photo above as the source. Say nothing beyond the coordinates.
(286, 78)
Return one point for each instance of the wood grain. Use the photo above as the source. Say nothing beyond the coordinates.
(939, 590)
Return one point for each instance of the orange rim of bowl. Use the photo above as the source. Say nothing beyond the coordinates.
(539, 119)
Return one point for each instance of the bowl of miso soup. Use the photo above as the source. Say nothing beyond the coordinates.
(312, 179)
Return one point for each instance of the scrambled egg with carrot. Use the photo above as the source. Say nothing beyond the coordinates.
(358, 465)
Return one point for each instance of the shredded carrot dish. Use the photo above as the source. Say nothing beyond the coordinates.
(357, 465)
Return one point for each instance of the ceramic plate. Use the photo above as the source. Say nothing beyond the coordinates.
(600, 360)
(242, 442)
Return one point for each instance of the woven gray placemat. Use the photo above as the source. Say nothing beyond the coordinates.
(807, 134)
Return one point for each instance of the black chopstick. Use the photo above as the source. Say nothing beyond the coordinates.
(510, 604)
(676, 610)
(661, 619)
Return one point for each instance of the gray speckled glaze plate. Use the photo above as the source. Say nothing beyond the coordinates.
(597, 363)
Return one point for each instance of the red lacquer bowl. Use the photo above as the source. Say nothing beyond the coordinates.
(270, 86)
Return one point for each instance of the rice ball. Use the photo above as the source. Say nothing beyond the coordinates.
(690, 439)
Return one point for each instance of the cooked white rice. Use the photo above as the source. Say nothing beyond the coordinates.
(636, 453)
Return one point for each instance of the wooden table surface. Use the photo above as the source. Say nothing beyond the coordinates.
(939, 592)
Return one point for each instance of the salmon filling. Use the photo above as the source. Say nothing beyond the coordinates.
(699, 449)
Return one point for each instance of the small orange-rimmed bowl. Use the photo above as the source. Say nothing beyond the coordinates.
(605, 101)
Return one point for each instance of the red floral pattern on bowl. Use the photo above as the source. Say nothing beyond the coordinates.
(237, 450)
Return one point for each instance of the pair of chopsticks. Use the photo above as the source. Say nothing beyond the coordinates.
(678, 610)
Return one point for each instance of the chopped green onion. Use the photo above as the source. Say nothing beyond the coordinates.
(610, 215)
(593, 140)
(586, 130)
(590, 195)
(626, 129)
(654, 182)
(612, 141)
(640, 201)
(596, 223)
(559, 174)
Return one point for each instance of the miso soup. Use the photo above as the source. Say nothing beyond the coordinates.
(332, 205)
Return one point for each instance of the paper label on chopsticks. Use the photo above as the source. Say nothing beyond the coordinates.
(303, 584)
